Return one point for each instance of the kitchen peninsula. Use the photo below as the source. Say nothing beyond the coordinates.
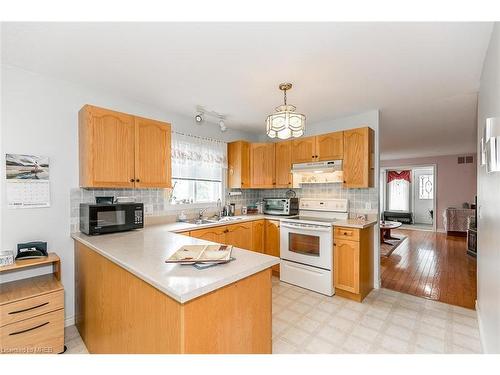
(128, 300)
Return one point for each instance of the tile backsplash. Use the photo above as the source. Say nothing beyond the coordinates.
(361, 201)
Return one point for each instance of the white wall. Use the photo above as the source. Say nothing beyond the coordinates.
(39, 116)
(488, 188)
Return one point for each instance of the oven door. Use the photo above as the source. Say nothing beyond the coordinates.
(307, 244)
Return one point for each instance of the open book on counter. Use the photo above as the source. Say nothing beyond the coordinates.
(190, 254)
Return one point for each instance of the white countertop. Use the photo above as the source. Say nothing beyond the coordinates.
(354, 223)
(143, 253)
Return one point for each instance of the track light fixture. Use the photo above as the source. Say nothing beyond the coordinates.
(202, 113)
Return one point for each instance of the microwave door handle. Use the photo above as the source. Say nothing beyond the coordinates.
(292, 226)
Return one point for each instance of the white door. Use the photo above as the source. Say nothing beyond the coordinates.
(423, 196)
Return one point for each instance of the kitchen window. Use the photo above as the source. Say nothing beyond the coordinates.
(198, 166)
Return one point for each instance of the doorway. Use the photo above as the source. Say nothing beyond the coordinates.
(408, 196)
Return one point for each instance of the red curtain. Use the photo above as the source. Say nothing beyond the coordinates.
(394, 175)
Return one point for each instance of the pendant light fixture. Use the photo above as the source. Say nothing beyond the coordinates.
(285, 123)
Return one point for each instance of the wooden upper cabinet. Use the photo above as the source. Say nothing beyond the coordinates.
(123, 151)
(262, 165)
(239, 235)
(283, 164)
(330, 146)
(152, 153)
(303, 150)
(358, 164)
(106, 147)
(238, 159)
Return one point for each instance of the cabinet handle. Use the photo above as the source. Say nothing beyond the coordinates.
(29, 329)
(132, 180)
(29, 308)
(137, 180)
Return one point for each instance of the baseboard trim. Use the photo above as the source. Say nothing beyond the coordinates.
(69, 321)
(481, 329)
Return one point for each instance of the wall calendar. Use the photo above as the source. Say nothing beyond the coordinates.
(27, 181)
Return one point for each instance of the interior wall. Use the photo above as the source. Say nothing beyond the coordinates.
(39, 116)
(488, 186)
(455, 183)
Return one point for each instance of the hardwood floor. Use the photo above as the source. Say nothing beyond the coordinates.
(432, 265)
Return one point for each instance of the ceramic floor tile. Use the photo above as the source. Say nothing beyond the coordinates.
(340, 323)
(403, 322)
(320, 346)
(295, 336)
(430, 343)
(465, 330)
(371, 322)
(300, 307)
(394, 344)
(283, 347)
(399, 332)
(318, 315)
(349, 314)
(466, 342)
(356, 345)
(332, 335)
(308, 324)
(365, 333)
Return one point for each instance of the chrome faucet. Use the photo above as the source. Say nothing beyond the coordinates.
(200, 214)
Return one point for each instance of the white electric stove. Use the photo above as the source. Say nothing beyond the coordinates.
(306, 249)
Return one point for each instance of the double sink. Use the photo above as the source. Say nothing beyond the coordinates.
(225, 219)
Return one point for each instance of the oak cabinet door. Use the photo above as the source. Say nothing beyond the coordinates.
(217, 234)
(346, 265)
(304, 150)
(258, 236)
(272, 240)
(262, 165)
(330, 146)
(238, 160)
(239, 235)
(106, 148)
(358, 164)
(283, 164)
(152, 154)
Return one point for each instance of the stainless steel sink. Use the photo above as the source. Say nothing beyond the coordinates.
(202, 221)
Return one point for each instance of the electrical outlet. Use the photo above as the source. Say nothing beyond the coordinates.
(368, 206)
(148, 209)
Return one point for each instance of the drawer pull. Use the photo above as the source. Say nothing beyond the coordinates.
(29, 308)
(29, 329)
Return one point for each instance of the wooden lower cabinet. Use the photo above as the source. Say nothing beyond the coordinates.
(215, 234)
(353, 262)
(258, 236)
(239, 235)
(139, 318)
(272, 241)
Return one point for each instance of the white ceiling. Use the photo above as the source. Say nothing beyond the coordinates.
(422, 76)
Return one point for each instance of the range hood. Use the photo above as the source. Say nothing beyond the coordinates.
(318, 167)
(322, 172)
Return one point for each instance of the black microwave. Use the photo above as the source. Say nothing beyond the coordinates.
(110, 218)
